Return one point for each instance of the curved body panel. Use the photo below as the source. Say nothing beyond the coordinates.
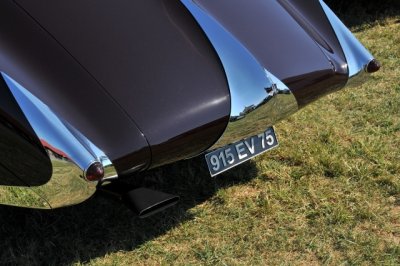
(23, 160)
(68, 154)
(132, 85)
(250, 47)
(357, 56)
(252, 88)
(291, 39)
(160, 68)
(38, 63)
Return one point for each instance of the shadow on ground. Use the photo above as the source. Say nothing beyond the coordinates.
(360, 13)
(100, 226)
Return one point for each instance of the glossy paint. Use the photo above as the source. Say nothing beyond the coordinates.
(181, 94)
(291, 39)
(253, 89)
(160, 68)
(50, 130)
(40, 64)
(357, 56)
(71, 155)
(23, 160)
(44, 160)
(150, 82)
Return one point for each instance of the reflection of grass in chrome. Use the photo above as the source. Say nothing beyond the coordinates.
(66, 181)
(66, 185)
(257, 121)
(109, 171)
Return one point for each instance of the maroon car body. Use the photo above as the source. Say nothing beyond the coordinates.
(139, 84)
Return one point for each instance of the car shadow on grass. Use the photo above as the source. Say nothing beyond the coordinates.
(101, 226)
(360, 13)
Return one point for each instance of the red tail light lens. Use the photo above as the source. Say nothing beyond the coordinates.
(373, 66)
(95, 172)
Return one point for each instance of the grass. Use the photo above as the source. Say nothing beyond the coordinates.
(330, 194)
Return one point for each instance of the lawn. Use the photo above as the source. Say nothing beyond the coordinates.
(330, 194)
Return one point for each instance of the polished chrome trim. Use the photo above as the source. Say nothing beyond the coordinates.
(258, 98)
(357, 56)
(109, 169)
(70, 152)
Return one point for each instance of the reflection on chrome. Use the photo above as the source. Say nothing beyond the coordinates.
(258, 99)
(357, 56)
(70, 152)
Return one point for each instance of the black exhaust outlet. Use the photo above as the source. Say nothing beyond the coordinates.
(146, 202)
(142, 201)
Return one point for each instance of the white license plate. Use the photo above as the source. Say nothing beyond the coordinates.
(227, 157)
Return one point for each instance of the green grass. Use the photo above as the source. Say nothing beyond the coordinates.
(330, 194)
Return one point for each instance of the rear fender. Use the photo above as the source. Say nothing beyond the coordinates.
(63, 157)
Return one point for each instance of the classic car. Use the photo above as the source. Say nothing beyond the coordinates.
(92, 91)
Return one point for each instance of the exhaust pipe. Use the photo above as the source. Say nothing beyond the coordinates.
(146, 202)
(142, 201)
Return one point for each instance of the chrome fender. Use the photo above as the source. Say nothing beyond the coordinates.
(71, 155)
(258, 98)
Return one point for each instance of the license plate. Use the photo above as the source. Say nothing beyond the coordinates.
(234, 154)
